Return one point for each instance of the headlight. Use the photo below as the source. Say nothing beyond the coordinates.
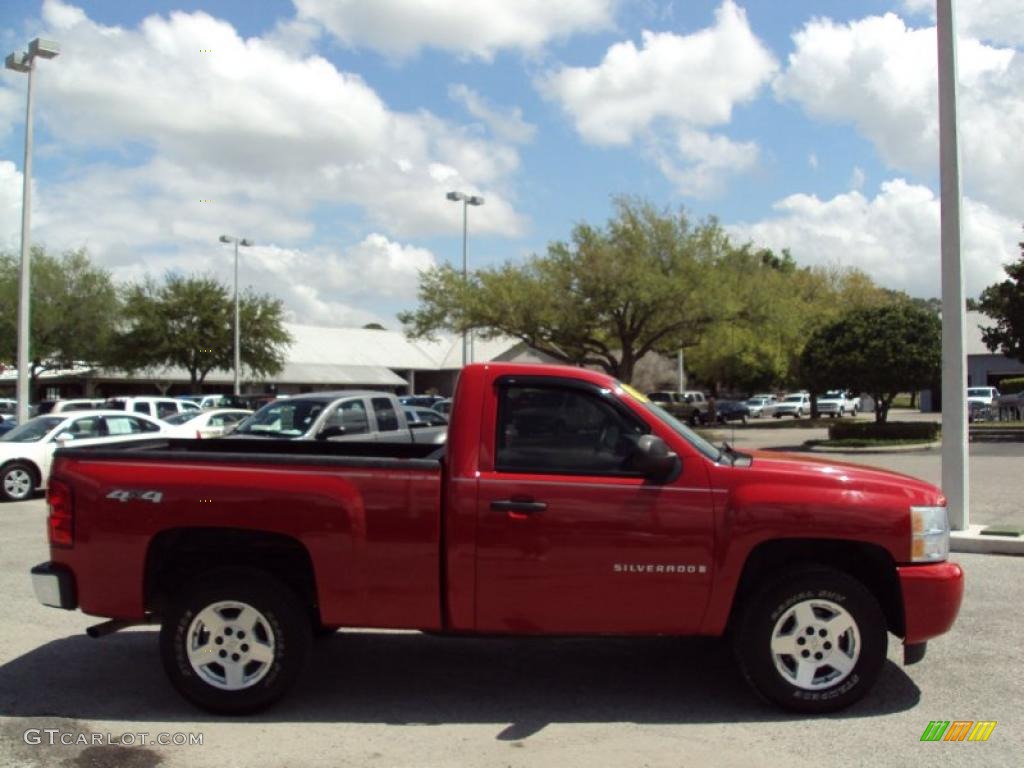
(929, 528)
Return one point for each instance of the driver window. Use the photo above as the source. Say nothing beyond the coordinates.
(563, 431)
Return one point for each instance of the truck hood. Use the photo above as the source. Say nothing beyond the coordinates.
(823, 472)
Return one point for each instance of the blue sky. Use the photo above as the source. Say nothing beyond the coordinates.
(328, 131)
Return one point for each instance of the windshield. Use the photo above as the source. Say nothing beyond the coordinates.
(979, 392)
(673, 423)
(794, 399)
(32, 431)
(756, 401)
(284, 418)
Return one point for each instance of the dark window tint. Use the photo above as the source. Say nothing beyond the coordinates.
(114, 405)
(564, 431)
(387, 417)
(141, 408)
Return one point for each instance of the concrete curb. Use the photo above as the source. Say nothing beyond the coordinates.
(972, 541)
(873, 448)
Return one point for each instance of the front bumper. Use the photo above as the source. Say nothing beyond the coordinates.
(931, 599)
(54, 585)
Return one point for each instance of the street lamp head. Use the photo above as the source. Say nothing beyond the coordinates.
(456, 196)
(19, 62)
(45, 49)
(246, 241)
(475, 200)
(225, 239)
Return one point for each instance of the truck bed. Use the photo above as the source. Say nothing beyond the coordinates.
(367, 516)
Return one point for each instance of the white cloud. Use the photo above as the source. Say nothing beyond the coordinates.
(812, 160)
(694, 80)
(880, 75)
(706, 161)
(998, 21)
(257, 123)
(894, 236)
(506, 124)
(10, 206)
(480, 28)
(668, 93)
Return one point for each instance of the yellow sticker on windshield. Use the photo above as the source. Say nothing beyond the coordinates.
(638, 395)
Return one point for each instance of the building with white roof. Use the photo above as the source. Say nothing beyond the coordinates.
(318, 358)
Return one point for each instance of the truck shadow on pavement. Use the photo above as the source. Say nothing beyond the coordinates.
(413, 679)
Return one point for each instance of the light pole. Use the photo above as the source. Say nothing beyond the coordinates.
(238, 348)
(466, 201)
(25, 62)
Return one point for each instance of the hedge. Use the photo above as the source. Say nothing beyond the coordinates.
(926, 431)
(1011, 386)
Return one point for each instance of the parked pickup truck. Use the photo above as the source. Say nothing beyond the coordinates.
(690, 407)
(343, 416)
(563, 503)
(836, 403)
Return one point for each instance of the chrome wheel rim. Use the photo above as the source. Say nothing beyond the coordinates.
(815, 644)
(17, 483)
(230, 645)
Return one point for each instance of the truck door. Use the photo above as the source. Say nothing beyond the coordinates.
(569, 539)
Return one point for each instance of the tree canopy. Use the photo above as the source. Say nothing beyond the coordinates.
(74, 308)
(1004, 303)
(189, 322)
(878, 350)
(644, 282)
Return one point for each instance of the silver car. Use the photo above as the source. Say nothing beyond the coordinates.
(762, 406)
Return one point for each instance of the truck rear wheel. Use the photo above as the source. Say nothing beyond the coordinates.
(236, 641)
(812, 641)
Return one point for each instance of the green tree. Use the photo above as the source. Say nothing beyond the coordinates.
(73, 310)
(1004, 303)
(879, 350)
(643, 282)
(188, 322)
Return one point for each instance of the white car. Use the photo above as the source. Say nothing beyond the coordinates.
(211, 423)
(761, 406)
(795, 405)
(26, 452)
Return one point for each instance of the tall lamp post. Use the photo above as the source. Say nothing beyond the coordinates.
(25, 62)
(466, 200)
(238, 348)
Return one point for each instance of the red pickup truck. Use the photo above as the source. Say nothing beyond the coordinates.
(563, 504)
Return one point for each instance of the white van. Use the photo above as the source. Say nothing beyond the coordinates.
(157, 407)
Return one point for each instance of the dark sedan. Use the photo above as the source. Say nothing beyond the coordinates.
(731, 410)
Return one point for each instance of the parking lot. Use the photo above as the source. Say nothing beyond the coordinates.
(405, 699)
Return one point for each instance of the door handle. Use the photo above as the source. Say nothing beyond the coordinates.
(518, 505)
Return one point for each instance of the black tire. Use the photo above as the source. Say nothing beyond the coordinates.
(283, 621)
(820, 590)
(12, 485)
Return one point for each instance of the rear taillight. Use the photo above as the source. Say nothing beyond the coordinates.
(61, 520)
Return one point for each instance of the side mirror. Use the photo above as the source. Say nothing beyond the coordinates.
(654, 458)
(418, 424)
(335, 430)
(63, 437)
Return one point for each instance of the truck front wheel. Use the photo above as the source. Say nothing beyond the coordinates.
(235, 642)
(812, 641)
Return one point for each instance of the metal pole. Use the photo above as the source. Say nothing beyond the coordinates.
(955, 476)
(23, 393)
(238, 352)
(465, 335)
(681, 374)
